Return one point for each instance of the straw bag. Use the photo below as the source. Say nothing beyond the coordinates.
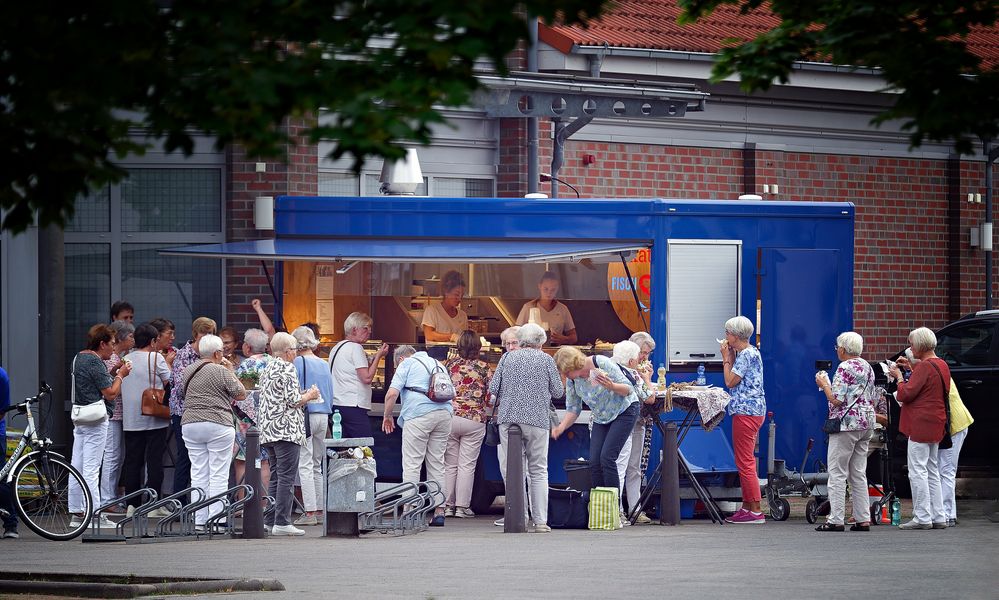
(153, 398)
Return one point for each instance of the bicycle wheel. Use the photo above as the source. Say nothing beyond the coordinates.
(41, 494)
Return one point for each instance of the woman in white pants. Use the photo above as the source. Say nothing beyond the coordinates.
(632, 467)
(628, 355)
(313, 370)
(93, 383)
(209, 389)
(114, 451)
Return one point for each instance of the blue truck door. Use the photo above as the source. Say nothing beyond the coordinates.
(799, 321)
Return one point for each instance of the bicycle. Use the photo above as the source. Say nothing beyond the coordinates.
(39, 481)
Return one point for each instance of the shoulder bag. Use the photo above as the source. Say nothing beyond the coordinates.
(153, 398)
(945, 442)
(85, 414)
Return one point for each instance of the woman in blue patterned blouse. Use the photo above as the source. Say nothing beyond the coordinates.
(605, 389)
(743, 369)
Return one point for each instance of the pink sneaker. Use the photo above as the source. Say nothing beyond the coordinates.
(746, 517)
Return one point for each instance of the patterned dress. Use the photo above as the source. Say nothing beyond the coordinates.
(186, 357)
(279, 417)
(254, 364)
(471, 382)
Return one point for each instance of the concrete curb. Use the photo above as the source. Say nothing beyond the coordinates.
(61, 584)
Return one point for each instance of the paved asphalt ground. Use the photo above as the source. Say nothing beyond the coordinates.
(473, 559)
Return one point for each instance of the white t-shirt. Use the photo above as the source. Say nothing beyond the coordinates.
(559, 320)
(133, 386)
(437, 317)
(348, 389)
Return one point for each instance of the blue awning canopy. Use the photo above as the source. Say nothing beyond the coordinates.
(392, 250)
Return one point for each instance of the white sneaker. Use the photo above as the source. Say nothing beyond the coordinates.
(76, 520)
(463, 513)
(542, 529)
(498, 522)
(129, 511)
(643, 519)
(106, 523)
(287, 530)
(160, 512)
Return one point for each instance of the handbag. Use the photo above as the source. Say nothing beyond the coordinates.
(492, 429)
(836, 425)
(86, 414)
(945, 442)
(567, 509)
(153, 398)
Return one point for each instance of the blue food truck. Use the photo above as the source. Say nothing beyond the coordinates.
(675, 268)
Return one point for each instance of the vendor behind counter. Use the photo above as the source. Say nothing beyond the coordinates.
(550, 314)
(443, 321)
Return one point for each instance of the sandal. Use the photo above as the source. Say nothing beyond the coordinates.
(860, 527)
(829, 527)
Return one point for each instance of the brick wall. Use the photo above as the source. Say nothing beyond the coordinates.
(913, 264)
(296, 175)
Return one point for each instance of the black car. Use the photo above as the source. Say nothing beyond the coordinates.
(970, 346)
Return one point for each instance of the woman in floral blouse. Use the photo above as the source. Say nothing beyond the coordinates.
(468, 427)
(851, 398)
(281, 419)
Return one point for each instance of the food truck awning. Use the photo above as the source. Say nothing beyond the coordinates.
(396, 250)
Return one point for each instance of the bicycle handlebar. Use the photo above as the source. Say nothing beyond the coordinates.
(43, 389)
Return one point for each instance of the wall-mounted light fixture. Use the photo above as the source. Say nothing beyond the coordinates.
(263, 213)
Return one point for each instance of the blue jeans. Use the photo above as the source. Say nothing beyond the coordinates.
(606, 441)
(182, 462)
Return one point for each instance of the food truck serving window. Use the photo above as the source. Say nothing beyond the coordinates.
(702, 293)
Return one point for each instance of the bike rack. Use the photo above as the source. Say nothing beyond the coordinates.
(119, 534)
(174, 502)
(403, 508)
(227, 518)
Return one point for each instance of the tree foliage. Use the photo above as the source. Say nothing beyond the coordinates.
(944, 92)
(80, 80)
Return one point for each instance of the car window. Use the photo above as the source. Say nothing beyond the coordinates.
(966, 345)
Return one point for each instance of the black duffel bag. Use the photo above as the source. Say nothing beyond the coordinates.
(567, 509)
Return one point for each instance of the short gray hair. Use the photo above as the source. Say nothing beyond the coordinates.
(740, 327)
(283, 342)
(305, 337)
(851, 343)
(922, 339)
(256, 339)
(401, 353)
(510, 333)
(625, 352)
(643, 339)
(356, 320)
(122, 329)
(209, 345)
(531, 336)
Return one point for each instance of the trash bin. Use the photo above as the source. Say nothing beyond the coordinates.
(350, 485)
(578, 472)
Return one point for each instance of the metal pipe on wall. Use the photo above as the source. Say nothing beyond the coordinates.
(532, 122)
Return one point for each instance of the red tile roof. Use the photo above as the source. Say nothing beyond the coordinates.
(651, 24)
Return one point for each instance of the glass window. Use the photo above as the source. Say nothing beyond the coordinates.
(456, 187)
(966, 346)
(92, 212)
(174, 287)
(338, 184)
(182, 200)
(88, 289)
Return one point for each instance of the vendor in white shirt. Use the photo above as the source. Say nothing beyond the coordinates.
(553, 315)
(444, 320)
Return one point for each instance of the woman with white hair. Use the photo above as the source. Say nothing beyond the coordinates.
(209, 389)
(743, 369)
(923, 419)
(312, 371)
(352, 372)
(851, 397)
(525, 381)
(282, 428)
(629, 355)
(508, 338)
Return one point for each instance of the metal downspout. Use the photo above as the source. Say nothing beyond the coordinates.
(991, 154)
(532, 122)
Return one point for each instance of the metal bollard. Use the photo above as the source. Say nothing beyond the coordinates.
(669, 492)
(253, 512)
(515, 507)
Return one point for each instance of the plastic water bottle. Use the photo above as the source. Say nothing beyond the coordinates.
(661, 374)
(701, 379)
(337, 430)
(896, 512)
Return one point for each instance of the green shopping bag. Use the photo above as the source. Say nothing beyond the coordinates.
(605, 513)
